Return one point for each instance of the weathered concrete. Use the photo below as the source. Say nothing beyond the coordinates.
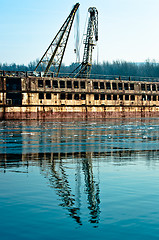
(49, 98)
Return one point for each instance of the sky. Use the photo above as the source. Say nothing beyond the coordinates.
(128, 29)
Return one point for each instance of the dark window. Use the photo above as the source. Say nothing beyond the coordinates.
(154, 88)
(114, 97)
(48, 84)
(132, 97)
(143, 87)
(48, 95)
(62, 84)
(102, 96)
(55, 83)
(83, 85)
(143, 97)
(157, 87)
(109, 97)
(120, 86)
(148, 87)
(126, 86)
(69, 84)
(108, 85)
(131, 86)
(41, 95)
(14, 98)
(62, 96)
(76, 97)
(114, 86)
(95, 85)
(76, 85)
(120, 97)
(8, 101)
(126, 97)
(40, 83)
(13, 83)
(69, 96)
(1, 84)
(101, 85)
(83, 96)
(148, 97)
(154, 98)
(96, 96)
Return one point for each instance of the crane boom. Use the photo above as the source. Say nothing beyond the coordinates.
(55, 52)
(92, 30)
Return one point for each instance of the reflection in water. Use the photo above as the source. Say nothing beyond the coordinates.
(26, 137)
(53, 169)
(59, 169)
(69, 157)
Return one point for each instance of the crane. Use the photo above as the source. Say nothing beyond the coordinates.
(84, 68)
(55, 52)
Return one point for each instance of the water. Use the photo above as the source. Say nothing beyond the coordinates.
(79, 179)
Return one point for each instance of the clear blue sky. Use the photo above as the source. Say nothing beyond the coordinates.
(128, 29)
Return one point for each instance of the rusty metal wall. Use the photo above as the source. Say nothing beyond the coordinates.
(42, 100)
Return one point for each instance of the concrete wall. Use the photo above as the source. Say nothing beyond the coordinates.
(53, 98)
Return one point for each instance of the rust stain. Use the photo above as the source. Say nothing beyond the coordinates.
(49, 98)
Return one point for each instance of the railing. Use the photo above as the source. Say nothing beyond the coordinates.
(24, 74)
(69, 75)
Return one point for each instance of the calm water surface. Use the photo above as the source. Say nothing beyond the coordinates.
(79, 180)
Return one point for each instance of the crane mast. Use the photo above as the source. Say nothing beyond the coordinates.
(55, 52)
(89, 43)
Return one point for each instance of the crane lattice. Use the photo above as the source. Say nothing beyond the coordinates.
(55, 52)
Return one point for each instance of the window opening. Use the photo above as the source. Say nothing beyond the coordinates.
(131, 86)
(120, 97)
(69, 84)
(153, 87)
(148, 97)
(101, 85)
(69, 96)
(62, 96)
(48, 95)
(114, 86)
(83, 85)
(96, 96)
(76, 85)
(55, 83)
(41, 95)
(95, 85)
(154, 98)
(143, 87)
(109, 97)
(76, 96)
(48, 84)
(102, 96)
(126, 86)
(148, 87)
(132, 97)
(108, 85)
(114, 97)
(120, 86)
(62, 84)
(143, 97)
(126, 97)
(83, 96)
(40, 84)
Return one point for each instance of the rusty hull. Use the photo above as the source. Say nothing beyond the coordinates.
(55, 98)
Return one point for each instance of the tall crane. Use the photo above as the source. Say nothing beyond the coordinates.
(84, 68)
(55, 52)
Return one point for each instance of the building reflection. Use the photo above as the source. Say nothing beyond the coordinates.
(59, 180)
(68, 155)
(73, 176)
